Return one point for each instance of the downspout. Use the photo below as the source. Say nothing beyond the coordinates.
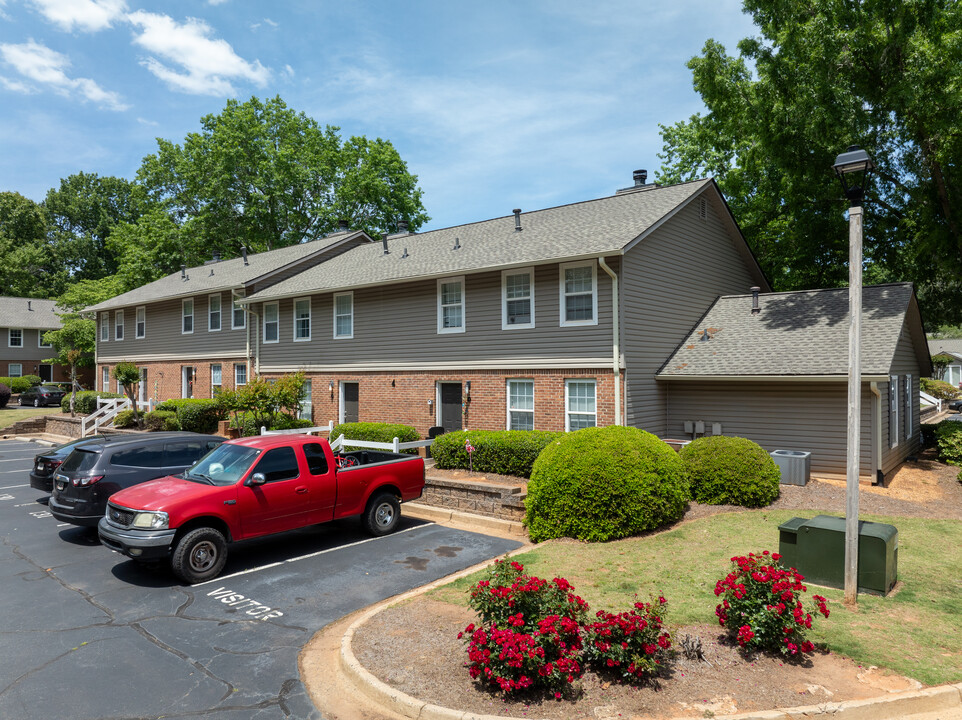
(876, 434)
(247, 331)
(615, 344)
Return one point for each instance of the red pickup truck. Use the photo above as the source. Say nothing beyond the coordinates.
(252, 487)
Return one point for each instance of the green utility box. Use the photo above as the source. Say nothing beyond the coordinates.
(816, 548)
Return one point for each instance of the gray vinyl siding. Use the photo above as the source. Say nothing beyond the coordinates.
(163, 338)
(670, 279)
(905, 362)
(397, 324)
(28, 355)
(808, 416)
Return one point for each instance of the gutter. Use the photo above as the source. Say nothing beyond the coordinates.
(616, 349)
(767, 378)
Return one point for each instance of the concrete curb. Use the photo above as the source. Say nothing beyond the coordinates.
(480, 522)
(38, 440)
(898, 705)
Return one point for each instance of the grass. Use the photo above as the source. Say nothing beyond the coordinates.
(914, 632)
(14, 413)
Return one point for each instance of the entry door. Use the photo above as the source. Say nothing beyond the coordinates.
(349, 394)
(450, 406)
(46, 373)
(187, 382)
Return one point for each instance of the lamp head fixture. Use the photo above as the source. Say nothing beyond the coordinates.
(852, 168)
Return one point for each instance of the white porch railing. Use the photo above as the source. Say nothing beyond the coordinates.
(930, 400)
(299, 431)
(395, 445)
(107, 409)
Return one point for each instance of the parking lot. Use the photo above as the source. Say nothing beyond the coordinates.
(90, 634)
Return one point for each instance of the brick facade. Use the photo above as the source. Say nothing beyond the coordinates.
(164, 379)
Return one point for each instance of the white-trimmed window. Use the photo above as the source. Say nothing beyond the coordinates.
(105, 379)
(119, 325)
(520, 404)
(517, 299)
(344, 315)
(451, 305)
(307, 404)
(14, 337)
(894, 411)
(580, 404)
(302, 319)
(238, 318)
(271, 323)
(216, 375)
(15, 369)
(140, 323)
(104, 327)
(213, 313)
(187, 317)
(40, 342)
(908, 407)
(240, 374)
(579, 294)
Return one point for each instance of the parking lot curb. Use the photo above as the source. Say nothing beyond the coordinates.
(38, 440)
(944, 698)
(483, 523)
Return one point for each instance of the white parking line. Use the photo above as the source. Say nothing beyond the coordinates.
(19, 460)
(305, 557)
(9, 472)
(11, 487)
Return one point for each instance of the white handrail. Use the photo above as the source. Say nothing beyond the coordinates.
(931, 400)
(340, 441)
(299, 431)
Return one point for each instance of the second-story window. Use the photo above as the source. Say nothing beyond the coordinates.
(14, 337)
(344, 315)
(187, 317)
(40, 341)
(213, 313)
(451, 305)
(119, 325)
(517, 299)
(104, 327)
(238, 316)
(140, 330)
(271, 323)
(579, 294)
(302, 319)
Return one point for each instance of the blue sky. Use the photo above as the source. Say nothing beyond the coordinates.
(494, 105)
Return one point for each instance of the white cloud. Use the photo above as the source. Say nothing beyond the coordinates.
(148, 123)
(84, 15)
(271, 22)
(216, 2)
(207, 66)
(288, 71)
(47, 67)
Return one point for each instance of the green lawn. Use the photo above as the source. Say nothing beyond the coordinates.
(14, 413)
(915, 632)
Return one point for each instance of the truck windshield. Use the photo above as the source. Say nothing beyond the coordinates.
(224, 465)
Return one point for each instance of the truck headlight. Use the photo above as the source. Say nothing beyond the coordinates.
(150, 520)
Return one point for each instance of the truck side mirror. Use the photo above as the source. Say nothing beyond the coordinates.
(256, 479)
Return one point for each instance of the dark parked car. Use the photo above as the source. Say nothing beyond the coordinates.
(956, 405)
(42, 395)
(44, 464)
(94, 472)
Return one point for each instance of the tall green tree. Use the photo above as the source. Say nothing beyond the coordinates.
(265, 176)
(74, 343)
(882, 74)
(27, 267)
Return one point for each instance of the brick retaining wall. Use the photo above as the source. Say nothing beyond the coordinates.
(479, 498)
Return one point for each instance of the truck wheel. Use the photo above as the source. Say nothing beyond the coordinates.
(382, 514)
(200, 555)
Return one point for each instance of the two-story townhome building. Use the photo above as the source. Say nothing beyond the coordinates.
(23, 322)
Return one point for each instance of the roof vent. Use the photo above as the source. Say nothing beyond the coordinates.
(517, 219)
(183, 272)
(705, 336)
(29, 306)
(640, 177)
(457, 244)
(404, 254)
(384, 243)
(244, 253)
(755, 308)
(211, 273)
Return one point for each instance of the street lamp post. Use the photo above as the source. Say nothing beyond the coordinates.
(852, 168)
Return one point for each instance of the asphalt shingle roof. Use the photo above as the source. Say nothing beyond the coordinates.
(41, 315)
(585, 229)
(219, 276)
(945, 346)
(802, 333)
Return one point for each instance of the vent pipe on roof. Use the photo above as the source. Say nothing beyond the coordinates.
(705, 336)
(384, 243)
(457, 244)
(244, 253)
(343, 225)
(517, 219)
(404, 254)
(29, 306)
(211, 273)
(755, 308)
(640, 177)
(183, 272)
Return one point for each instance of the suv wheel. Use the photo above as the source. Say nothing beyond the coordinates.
(199, 555)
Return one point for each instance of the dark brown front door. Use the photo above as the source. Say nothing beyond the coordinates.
(349, 403)
(451, 406)
(46, 373)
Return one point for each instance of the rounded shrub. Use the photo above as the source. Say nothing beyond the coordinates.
(606, 483)
(376, 432)
(726, 470)
(161, 420)
(86, 401)
(4, 395)
(195, 414)
(505, 452)
(124, 419)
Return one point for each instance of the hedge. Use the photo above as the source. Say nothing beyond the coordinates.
(18, 385)
(248, 428)
(948, 439)
(725, 470)
(161, 420)
(195, 414)
(4, 395)
(939, 389)
(86, 401)
(376, 432)
(505, 452)
(124, 419)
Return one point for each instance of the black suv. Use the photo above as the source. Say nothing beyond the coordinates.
(42, 395)
(47, 462)
(94, 472)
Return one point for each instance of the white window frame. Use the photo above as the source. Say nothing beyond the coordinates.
(343, 336)
(894, 411)
(296, 329)
(568, 412)
(105, 378)
(11, 366)
(40, 343)
(562, 295)
(307, 404)
(10, 332)
(507, 401)
(184, 315)
(529, 271)
(447, 281)
(210, 312)
(234, 307)
(104, 327)
(140, 322)
(276, 322)
(238, 366)
(908, 407)
(220, 373)
(119, 325)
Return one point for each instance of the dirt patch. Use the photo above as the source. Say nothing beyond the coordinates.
(494, 478)
(414, 648)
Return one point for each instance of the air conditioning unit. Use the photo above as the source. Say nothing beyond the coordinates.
(795, 466)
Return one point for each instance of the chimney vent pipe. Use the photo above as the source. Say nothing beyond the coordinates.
(640, 177)
(29, 306)
(384, 243)
(755, 308)
(244, 253)
(183, 272)
(517, 219)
